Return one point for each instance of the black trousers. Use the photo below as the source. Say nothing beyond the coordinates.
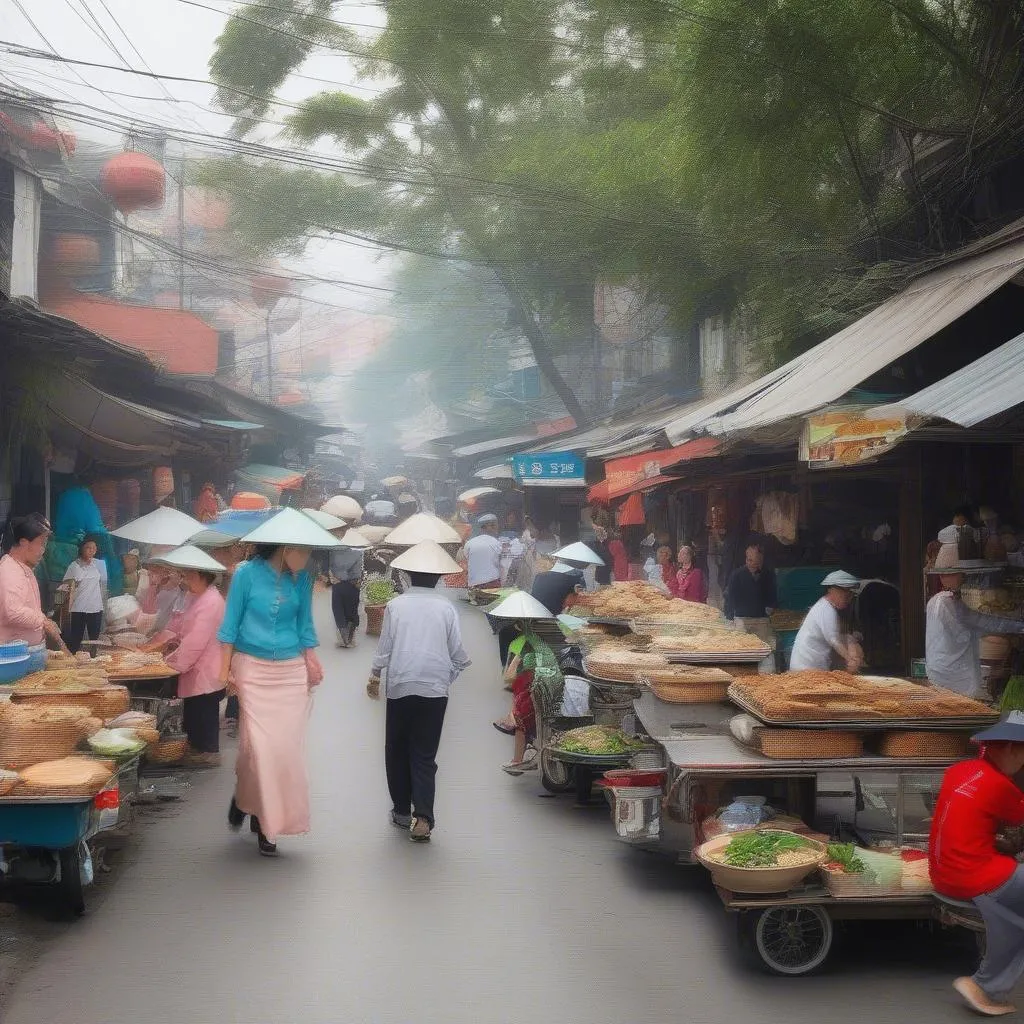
(506, 637)
(345, 604)
(231, 711)
(200, 718)
(78, 624)
(411, 738)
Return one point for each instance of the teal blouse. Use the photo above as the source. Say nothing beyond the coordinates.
(269, 615)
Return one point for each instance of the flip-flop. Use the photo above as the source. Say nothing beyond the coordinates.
(507, 730)
(968, 990)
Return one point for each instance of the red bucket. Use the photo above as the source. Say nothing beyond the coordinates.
(628, 778)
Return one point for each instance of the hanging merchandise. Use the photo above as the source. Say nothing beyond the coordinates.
(632, 511)
(105, 494)
(778, 514)
(163, 483)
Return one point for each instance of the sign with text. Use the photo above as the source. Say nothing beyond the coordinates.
(848, 437)
(550, 469)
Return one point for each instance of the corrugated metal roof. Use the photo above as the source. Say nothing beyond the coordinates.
(496, 444)
(829, 370)
(983, 389)
(638, 432)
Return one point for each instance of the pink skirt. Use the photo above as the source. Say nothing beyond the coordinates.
(272, 781)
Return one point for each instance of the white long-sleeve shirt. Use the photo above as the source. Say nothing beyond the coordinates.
(820, 635)
(952, 632)
(420, 645)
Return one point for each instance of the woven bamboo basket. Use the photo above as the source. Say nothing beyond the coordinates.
(844, 886)
(101, 702)
(690, 693)
(913, 743)
(374, 618)
(791, 743)
(24, 743)
(169, 750)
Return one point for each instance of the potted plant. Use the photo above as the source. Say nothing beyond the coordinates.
(377, 591)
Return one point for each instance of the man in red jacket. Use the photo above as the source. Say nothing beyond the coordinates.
(977, 799)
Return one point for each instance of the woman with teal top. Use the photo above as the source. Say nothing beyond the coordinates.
(269, 659)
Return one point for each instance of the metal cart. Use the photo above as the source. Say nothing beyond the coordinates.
(867, 798)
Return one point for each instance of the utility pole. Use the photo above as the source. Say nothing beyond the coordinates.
(181, 233)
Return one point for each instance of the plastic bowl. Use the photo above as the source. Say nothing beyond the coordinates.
(13, 670)
(757, 880)
(37, 658)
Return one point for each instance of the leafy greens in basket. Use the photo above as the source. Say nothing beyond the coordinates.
(762, 849)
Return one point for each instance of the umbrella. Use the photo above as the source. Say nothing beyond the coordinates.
(477, 492)
(165, 526)
(190, 557)
(324, 519)
(519, 605)
(423, 526)
(356, 539)
(292, 528)
(344, 507)
(578, 552)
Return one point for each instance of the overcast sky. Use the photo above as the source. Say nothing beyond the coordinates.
(172, 37)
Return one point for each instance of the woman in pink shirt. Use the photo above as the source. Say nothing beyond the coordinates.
(690, 582)
(197, 658)
(21, 608)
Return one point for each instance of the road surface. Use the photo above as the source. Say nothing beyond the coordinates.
(521, 909)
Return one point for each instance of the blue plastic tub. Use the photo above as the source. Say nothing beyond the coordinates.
(13, 669)
(37, 658)
(13, 649)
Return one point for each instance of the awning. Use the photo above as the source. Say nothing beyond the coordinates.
(502, 471)
(828, 371)
(983, 389)
(118, 432)
(175, 339)
(640, 472)
(260, 478)
(493, 445)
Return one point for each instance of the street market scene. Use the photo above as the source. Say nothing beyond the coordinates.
(511, 509)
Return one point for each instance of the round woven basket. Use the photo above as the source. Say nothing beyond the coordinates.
(792, 743)
(102, 702)
(924, 744)
(374, 618)
(690, 693)
(167, 751)
(26, 743)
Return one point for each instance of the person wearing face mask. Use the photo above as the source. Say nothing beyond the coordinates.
(269, 658)
(21, 609)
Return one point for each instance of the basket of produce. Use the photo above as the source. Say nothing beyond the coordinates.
(377, 591)
(761, 860)
(167, 750)
(118, 743)
(595, 744)
(914, 873)
(796, 743)
(68, 776)
(923, 743)
(29, 734)
(848, 875)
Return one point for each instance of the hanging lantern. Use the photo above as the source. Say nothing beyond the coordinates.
(268, 287)
(44, 139)
(133, 181)
(75, 255)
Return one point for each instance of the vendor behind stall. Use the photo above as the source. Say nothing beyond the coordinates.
(751, 595)
(23, 542)
(953, 631)
(822, 642)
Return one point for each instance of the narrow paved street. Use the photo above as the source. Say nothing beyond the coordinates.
(521, 909)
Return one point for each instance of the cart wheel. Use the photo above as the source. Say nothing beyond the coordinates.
(792, 940)
(555, 776)
(71, 889)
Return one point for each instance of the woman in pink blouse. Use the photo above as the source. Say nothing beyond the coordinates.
(690, 582)
(21, 608)
(197, 658)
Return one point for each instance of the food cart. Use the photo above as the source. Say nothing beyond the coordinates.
(871, 799)
(48, 840)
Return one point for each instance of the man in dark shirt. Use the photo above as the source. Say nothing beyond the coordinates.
(751, 592)
(553, 587)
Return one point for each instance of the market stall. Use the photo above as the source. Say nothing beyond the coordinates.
(839, 772)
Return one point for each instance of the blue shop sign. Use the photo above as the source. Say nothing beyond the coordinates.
(550, 469)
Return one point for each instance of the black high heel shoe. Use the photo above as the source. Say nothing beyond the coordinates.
(236, 816)
(267, 848)
(254, 824)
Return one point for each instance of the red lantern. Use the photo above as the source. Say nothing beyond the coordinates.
(268, 287)
(48, 140)
(75, 255)
(133, 181)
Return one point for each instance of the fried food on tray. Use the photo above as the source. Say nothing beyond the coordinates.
(610, 661)
(635, 599)
(814, 695)
(708, 641)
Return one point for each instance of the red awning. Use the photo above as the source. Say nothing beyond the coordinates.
(632, 511)
(598, 494)
(175, 339)
(639, 472)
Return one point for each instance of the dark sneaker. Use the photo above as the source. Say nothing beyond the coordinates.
(401, 820)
